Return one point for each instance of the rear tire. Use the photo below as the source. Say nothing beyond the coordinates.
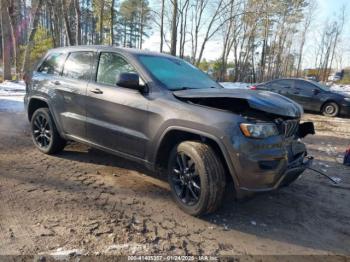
(44, 132)
(196, 177)
(330, 109)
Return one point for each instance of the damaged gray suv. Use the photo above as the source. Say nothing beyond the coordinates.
(165, 114)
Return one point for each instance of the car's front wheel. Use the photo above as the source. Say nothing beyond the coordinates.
(330, 109)
(44, 132)
(196, 177)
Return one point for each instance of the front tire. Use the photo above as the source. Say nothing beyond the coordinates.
(44, 132)
(196, 177)
(330, 109)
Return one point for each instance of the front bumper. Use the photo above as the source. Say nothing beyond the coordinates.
(293, 171)
(264, 165)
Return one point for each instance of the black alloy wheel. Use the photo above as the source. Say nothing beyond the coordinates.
(186, 179)
(196, 177)
(42, 132)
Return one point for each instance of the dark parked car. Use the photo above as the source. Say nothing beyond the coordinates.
(313, 96)
(164, 113)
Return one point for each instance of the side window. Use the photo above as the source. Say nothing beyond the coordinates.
(306, 87)
(78, 65)
(110, 66)
(52, 64)
(284, 83)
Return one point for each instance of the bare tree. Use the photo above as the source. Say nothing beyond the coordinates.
(65, 6)
(112, 22)
(174, 28)
(339, 30)
(228, 30)
(305, 28)
(77, 22)
(33, 25)
(197, 18)
(100, 26)
(162, 27)
(183, 11)
(13, 8)
(6, 41)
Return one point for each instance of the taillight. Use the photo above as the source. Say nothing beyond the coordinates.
(252, 88)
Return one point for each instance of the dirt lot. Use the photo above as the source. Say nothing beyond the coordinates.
(84, 201)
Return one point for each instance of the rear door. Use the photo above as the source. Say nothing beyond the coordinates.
(71, 88)
(283, 86)
(117, 117)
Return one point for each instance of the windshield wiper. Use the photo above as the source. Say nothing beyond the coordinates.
(187, 88)
(182, 88)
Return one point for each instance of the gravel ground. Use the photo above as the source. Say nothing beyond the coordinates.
(83, 201)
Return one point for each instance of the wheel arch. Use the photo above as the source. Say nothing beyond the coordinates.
(34, 104)
(40, 102)
(175, 135)
(329, 101)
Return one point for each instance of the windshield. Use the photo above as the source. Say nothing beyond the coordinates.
(176, 74)
(323, 87)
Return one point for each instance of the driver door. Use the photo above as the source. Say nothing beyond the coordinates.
(304, 92)
(116, 116)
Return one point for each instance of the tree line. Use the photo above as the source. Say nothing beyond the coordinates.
(258, 39)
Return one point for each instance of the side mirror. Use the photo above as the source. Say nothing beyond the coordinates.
(132, 81)
(316, 91)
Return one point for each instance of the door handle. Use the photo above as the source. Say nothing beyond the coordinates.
(56, 83)
(96, 91)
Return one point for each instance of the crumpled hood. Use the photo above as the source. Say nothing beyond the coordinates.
(260, 100)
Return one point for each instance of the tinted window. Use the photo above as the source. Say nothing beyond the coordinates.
(305, 85)
(78, 65)
(52, 64)
(175, 73)
(282, 84)
(110, 66)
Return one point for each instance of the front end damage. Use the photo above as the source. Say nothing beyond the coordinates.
(260, 164)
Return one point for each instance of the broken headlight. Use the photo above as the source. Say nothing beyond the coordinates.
(259, 130)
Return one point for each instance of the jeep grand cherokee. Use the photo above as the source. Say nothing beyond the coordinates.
(164, 113)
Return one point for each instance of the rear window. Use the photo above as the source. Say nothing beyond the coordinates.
(52, 64)
(78, 65)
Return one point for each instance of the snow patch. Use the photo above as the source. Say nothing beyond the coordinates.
(64, 255)
(342, 88)
(235, 85)
(12, 88)
(11, 96)
(131, 248)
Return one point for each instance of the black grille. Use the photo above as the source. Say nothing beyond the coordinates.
(290, 127)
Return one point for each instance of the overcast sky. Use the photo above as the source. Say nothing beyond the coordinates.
(326, 10)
